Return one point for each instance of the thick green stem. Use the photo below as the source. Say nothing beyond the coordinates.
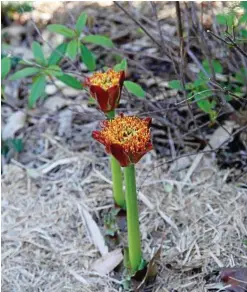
(134, 238)
(117, 182)
(117, 177)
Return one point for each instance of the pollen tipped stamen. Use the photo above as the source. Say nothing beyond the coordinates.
(131, 133)
(105, 79)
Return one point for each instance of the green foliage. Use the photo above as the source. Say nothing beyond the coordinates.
(110, 222)
(24, 73)
(9, 144)
(72, 49)
(37, 90)
(9, 8)
(57, 55)
(5, 67)
(88, 58)
(53, 70)
(61, 29)
(70, 81)
(244, 4)
(226, 19)
(215, 64)
(122, 66)
(241, 76)
(232, 21)
(81, 22)
(46, 68)
(98, 40)
(38, 54)
(76, 43)
(175, 84)
(134, 88)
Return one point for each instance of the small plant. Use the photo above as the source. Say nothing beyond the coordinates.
(204, 95)
(110, 223)
(76, 41)
(234, 24)
(13, 145)
(127, 139)
(199, 90)
(40, 71)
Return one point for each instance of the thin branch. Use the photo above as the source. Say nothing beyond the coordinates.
(138, 23)
(215, 150)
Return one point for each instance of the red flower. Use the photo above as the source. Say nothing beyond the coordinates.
(106, 88)
(127, 138)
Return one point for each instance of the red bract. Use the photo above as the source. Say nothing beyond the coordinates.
(127, 138)
(106, 88)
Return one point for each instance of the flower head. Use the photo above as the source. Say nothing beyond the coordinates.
(127, 138)
(106, 88)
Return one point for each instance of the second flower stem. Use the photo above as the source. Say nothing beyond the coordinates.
(134, 238)
(117, 176)
(117, 183)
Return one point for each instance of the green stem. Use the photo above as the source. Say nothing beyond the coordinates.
(134, 238)
(117, 177)
(117, 183)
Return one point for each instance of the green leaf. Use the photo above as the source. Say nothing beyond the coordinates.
(91, 100)
(243, 19)
(81, 22)
(72, 49)
(122, 66)
(88, 58)
(243, 4)
(57, 55)
(38, 53)
(24, 73)
(37, 90)
(213, 115)
(175, 84)
(5, 67)
(203, 102)
(61, 29)
(70, 81)
(243, 33)
(53, 70)
(17, 145)
(225, 19)
(98, 40)
(134, 88)
(241, 75)
(200, 82)
(216, 65)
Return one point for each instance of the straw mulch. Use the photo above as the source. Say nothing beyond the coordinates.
(201, 224)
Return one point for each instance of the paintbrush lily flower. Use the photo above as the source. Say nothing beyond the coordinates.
(127, 138)
(106, 87)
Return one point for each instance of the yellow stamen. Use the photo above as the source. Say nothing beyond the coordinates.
(106, 79)
(132, 133)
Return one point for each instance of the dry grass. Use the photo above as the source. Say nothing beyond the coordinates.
(46, 247)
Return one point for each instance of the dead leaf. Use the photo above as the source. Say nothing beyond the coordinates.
(70, 92)
(15, 122)
(65, 123)
(236, 277)
(220, 136)
(56, 102)
(108, 262)
(94, 232)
